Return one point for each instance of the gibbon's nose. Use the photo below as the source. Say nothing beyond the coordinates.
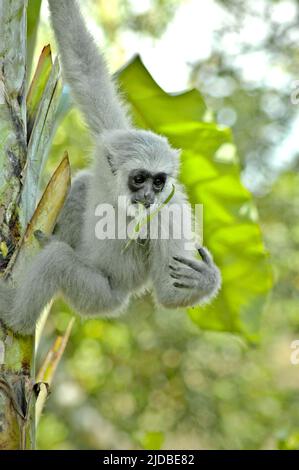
(148, 199)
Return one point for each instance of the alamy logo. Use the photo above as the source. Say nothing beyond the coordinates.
(134, 222)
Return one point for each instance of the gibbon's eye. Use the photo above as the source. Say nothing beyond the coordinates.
(159, 181)
(139, 179)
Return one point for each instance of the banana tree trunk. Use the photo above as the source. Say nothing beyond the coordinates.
(16, 354)
(27, 126)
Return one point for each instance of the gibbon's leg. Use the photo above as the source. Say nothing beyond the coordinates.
(187, 281)
(57, 268)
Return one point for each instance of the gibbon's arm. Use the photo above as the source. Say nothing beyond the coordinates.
(85, 70)
(57, 268)
(181, 280)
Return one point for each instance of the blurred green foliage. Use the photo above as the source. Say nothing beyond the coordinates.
(153, 379)
(247, 80)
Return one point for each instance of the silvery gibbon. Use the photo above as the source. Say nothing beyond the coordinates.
(98, 276)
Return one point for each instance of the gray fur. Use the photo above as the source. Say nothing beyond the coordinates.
(97, 277)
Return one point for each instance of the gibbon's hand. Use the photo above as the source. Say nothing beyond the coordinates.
(42, 238)
(194, 274)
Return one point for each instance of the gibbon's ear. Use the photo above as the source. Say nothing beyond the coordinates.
(110, 158)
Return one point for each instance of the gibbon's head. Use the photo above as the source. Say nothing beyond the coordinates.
(144, 164)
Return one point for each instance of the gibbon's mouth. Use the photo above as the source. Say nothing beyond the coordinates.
(146, 204)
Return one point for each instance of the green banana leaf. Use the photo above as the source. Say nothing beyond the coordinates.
(42, 102)
(211, 174)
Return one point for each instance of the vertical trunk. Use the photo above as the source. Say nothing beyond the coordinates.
(16, 354)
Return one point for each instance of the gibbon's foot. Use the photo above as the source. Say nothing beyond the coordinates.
(42, 238)
(195, 274)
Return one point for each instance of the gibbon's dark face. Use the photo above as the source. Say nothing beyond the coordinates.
(145, 186)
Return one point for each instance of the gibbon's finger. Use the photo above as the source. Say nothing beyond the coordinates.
(191, 282)
(188, 262)
(206, 255)
(187, 273)
(181, 286)
(174, 275)
(38, 234)
(181, 270)
(41, 237)
(179, 276)
(187, 284)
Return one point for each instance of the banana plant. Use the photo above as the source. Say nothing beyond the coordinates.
(26, 127)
